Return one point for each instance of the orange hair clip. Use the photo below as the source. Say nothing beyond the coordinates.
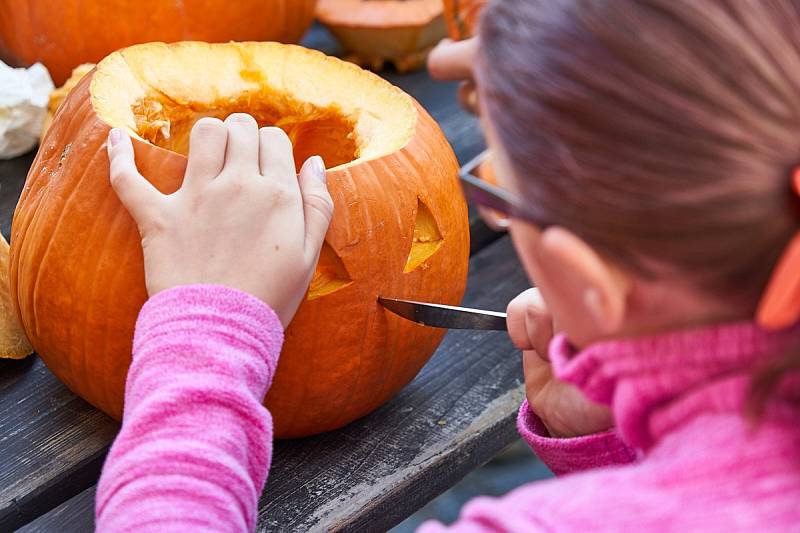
(780, 304)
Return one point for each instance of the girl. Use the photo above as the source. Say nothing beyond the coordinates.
(652, 146)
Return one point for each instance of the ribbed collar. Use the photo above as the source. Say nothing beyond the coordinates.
(655, 385)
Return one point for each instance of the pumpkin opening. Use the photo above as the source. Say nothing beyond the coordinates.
(157, 92)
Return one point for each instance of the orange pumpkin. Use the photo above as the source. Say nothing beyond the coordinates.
(62, 34)
(375, 31)
(462, 17)
(400, 225)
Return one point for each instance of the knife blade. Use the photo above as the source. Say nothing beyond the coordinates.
(446, 316)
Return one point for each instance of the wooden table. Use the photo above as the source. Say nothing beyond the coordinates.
(456, 415)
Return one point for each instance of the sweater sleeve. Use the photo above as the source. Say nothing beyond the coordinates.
(519, 510)
(564, 456)
(196, 442)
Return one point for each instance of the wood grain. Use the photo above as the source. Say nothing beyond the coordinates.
(369, 476)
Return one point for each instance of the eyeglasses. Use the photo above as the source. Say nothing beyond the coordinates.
(492, 197)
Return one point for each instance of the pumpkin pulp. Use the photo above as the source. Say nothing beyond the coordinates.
(313, 131)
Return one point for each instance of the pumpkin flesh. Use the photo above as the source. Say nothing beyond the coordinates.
(399, 229)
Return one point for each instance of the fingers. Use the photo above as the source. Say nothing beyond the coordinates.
(453, 60)
(137, 194)
(241, 154)
(207, 144)
(493, 219)
(317, 204)
(529, 323)
(468, 96)
(276, 160)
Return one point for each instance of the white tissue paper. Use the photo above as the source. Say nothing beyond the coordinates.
(24, 95)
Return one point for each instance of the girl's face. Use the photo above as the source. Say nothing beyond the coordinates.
(590, 297)
(584, 294)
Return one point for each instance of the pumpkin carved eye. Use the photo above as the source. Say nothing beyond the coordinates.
(426, 240)
(330, 276)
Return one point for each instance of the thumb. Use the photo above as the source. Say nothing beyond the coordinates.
(529, 323)
(453, 60)
(317, 203)
(137, 194)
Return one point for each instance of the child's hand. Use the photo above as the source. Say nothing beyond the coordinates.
(453, 61)
(563, 409)
(242, 218)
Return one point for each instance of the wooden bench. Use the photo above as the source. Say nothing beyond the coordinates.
(457, 414)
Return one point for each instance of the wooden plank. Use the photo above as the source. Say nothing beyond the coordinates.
(76, 515)
(369, 476)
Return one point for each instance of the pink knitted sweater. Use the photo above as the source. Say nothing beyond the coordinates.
(195, 444)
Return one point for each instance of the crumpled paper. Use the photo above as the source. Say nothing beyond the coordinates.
(24, 95)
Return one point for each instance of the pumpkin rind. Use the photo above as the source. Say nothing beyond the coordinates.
(77, 271)
(63, 34)
(401, 32)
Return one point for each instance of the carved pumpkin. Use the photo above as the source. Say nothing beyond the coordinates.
(462, 17)
(399, 31)
(399, 229)
(62, 34)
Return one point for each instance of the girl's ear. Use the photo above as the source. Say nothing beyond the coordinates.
(587, 295)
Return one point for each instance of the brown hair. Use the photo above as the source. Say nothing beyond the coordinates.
(660, 131)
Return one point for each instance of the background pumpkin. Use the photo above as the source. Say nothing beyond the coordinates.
(63, 34)
(13, 342)
(58, 96)
(462, 17)
(398, 31)
(400, 225)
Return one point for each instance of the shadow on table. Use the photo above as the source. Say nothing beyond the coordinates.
(515, 466)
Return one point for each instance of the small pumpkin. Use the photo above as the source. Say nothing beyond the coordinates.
(462, 17)
(401, 32)
(63, 34)
(13, 342)
(399, 229)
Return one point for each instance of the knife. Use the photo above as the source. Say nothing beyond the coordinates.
(446, 316)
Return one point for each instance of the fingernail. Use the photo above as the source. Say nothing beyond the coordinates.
(318, 167)
(114, 136)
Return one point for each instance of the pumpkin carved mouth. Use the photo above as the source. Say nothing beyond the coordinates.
(159, 101)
